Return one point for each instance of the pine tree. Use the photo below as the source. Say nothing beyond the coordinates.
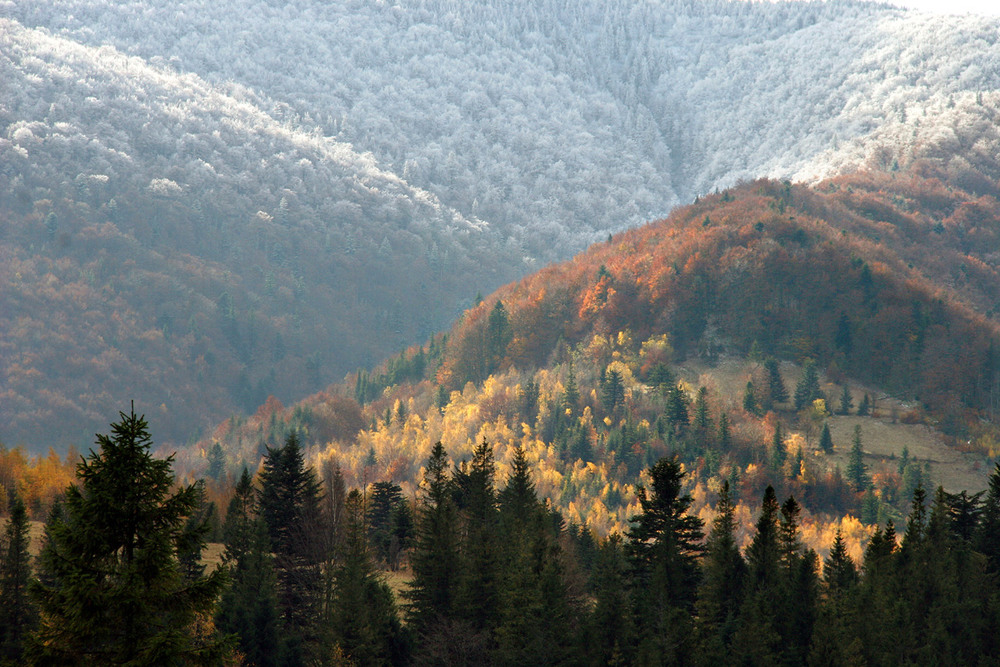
(17, 613)
(289, 504)
(750, 404)
(365, 626)
(846, 401)
(498, 336)
(113, 592)
(779, 453)
(987, 538)
(857, 474)
(216, 462)
(757, 634)
(663, 548)
(248, 608)
(826, 440)
(571, 395)
(434, 561)
(807, 390)
(777, 392)
(725, 438)
(612, 391)
(723, 575)
(864, 408)
(477, 600)
(611, 631)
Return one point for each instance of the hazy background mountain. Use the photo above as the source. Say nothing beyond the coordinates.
(207, 202)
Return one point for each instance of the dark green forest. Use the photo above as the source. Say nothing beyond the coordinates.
(496, 576)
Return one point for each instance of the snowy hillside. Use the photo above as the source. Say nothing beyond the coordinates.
(555, 120)
(306, 187)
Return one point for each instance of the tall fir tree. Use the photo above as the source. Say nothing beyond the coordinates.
(365, 626)
(857, 471)
(434, 560)
(18, 615)
(112, 590)
(721, 590)
(825, 439)
(248, 608)
(663, 548)
(289, 503)
(846, 401)
(807, 390)
(776, 390)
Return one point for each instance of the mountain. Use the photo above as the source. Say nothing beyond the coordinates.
(883, 280)
(286, 192)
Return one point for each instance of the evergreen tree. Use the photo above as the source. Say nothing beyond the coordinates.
(248, 608)
(779, 453)
(476, 498)
(757, 633)
(216, 462)
(987, 537)
(702, 420)
(366, 628)
(826, 440)
(663, 548)
(113, 592)
(842, 339)
(725, 438)
(750, 404)
(498, 336)
(846, 401)
(571, 394)
(529, 401)
(864, 408)
(611, 632)
(17, 614)
(434, 561)
(857, 474)
(289, 504)
(535, 615)
(723, 575)
(383, 513)
(677, 409)
(776, 390)
(807, 390)
(612, 391)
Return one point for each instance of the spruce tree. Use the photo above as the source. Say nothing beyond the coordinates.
(826, 440)
(612, 391)
(807, 390)
(857, 474)
(864, 408)
(248, 608)
(434, 561)
(750, 404)
(17, 613)
(846, 401)
(725, 438)
(663, 548)
(987, 537)
(723, 575)
(365, 626)
(776, 389)
(289, 503)
(113, 592)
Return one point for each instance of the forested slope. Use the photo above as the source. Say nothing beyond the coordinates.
(872, 295)
(306, 189)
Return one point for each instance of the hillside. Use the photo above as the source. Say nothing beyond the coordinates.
(884, 281)
(285, 194)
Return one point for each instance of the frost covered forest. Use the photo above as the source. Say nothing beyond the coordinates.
(354, 172)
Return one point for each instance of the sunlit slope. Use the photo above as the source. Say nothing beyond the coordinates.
(885, 279)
